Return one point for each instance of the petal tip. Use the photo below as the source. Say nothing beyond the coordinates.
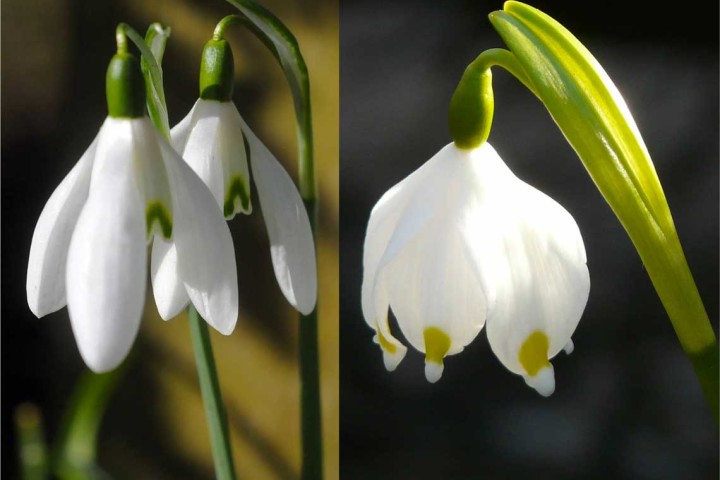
(392, 360)
(543, 381)
(433, 371)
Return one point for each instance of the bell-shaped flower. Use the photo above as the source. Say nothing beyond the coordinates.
(212, 139)
(89, 246)
(463, 242)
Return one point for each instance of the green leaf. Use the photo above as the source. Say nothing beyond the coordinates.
(284, 47)
(150, 63)
(595, 120)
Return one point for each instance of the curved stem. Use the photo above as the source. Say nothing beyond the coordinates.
(284, 47)
(472, 105)
(212, 400)
(121, 38)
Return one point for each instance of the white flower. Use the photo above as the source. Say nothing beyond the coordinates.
(462, 241)
(90, 241)
(211, 139)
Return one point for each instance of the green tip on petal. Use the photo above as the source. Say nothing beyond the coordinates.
(237, 197)
(125, 87)
(217, 71)
(157, 214)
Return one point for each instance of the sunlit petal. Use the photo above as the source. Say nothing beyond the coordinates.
(106, 268)
(205, 253)
(288, 226)
(45, 282)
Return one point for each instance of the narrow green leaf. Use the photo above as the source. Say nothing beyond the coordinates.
(157, 107)
(156, 38)
(595, 120)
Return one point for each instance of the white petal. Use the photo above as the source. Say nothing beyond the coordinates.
(205, 253)
(393, 350)
(169, 290)
(199, 149)
(230, 151)
(152, 178)
(530, 259)
(288, 226)
(180, 132)
(106, 269)
(45, 282)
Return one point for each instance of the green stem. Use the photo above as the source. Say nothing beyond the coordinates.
(212, 400)
(472, 105)
(311, 414)
(284, 47)
(75, 455)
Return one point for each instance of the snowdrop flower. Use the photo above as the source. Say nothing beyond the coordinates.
(212, 139)
(461, 243)
(89, 246)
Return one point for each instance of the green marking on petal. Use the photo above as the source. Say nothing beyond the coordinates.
(236, 191)
(157, 213)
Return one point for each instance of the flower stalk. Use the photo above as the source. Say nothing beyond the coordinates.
(212, 399)
(284, 47)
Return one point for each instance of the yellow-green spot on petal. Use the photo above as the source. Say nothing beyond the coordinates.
(385, 343)
(237, 189)
(156, 212)
(437, 344)
(533, 353)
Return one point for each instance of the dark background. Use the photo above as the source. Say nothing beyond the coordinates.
(54, 57)
(627, 404)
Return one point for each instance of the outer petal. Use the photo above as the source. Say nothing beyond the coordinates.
(180, 132)
(435, 294)
(532, 268)
(107, 257)
(45, 282)
(199, 147)
(205, 253)
(288, 226)
(169, 290)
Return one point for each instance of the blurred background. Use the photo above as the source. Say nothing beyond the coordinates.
(54, 56)
(627, 404)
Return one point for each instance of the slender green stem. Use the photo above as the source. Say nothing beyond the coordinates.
(212, 400)
(75, 454)
(472, 105)
(284, 47)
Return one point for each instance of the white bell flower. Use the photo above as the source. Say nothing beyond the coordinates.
(89, 245)
(463, 242)
(211, 139)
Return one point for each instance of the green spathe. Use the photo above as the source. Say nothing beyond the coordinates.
(125, 87)
(217, 71)
(595, 120)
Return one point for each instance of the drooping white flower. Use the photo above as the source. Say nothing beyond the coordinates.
(89, 245)
(463, 242)
(211, 139)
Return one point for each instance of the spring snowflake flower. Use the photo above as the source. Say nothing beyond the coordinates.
(461, 243)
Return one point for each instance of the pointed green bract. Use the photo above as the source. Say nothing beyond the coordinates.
(156, 38)
(595, 120)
